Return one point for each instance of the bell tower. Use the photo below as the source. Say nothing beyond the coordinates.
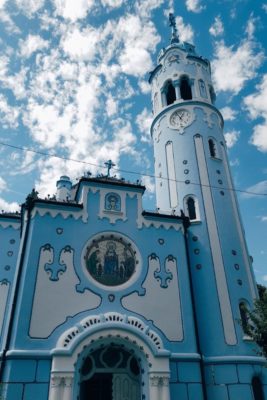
(193, 175)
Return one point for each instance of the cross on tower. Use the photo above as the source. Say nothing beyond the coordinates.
(175, 37)
(109, 164)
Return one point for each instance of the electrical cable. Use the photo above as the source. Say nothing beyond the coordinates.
(128, 171)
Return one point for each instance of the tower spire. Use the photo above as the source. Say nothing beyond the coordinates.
(175, 36)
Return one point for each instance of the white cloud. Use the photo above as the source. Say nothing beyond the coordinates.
(149, 184)
(264, 7)
(5, 18)
(217, 28)
(2, 3)
(228, 113)
(138, 40)
(256, 102)
(250, 29)
(73, 10)
(112, 3)
(185, 31)
(8, 207)
(259, 137)
(32, 44)
(256, 106)
(29, 7)
(8, 114)
(144, 86)
(144, 121)
(145, 7)
(3, 184)
(194, 6)
(235, 162)
(231, 138)
(258, 189)
(111, 106)
(80, 45)
(239, 65)
(264, 278)
(264, 219)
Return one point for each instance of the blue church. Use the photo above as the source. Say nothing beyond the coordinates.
(102, 300)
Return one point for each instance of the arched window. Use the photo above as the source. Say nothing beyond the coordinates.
(191, 208)
(185, 88)
(170, 93)
(244, 317)
(212, 148)
(257, 388)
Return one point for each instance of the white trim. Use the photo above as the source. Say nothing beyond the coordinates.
(171, 175)
(221, 282)
(239, 227)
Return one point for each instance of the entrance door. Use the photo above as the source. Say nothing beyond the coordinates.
(125, 387)
(110, 374)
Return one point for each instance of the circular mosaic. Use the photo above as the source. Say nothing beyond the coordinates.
(110, 260)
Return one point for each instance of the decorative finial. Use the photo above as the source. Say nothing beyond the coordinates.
(175, 37)
(109, 164)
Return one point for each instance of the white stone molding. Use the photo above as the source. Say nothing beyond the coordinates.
(54, 210)
(134, 337)
(102, 322)
(9, 224)
(4, 290)
(170, 303)
(50, 296)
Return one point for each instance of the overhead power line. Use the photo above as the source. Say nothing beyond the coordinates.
(49, 155)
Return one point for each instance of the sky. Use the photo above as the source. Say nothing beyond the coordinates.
(74, 84)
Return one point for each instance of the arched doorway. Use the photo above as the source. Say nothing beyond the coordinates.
(142, 352)
(110, 373)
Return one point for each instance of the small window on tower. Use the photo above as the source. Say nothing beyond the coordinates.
(244, 317)
(185, 88)
(170, 93)
(191, 208)
(212, 148)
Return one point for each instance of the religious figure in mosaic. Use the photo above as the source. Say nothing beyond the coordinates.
(110, 261)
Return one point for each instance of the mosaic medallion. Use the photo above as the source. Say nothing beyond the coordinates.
(110, 260)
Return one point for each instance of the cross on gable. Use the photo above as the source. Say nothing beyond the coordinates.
(109, 164)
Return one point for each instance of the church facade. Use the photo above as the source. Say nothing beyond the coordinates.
(103, 300)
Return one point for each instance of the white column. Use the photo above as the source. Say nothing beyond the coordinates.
(154, 388)
(67, 391)
(55, 386)
(177, 89)
(165, 388)
(159, 387)
(163, 99)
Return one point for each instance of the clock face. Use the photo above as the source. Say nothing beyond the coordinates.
(180, 119)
